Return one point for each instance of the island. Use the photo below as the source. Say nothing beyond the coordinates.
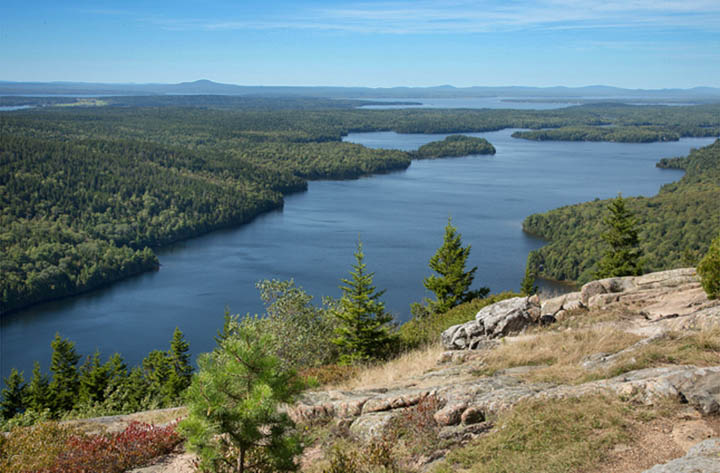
(454, 146)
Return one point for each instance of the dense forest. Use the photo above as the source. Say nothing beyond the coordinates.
(88, 191)
(454, 146)
(676, 226)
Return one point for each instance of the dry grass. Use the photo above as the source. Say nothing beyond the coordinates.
(396, 371)
(558, 354)
(563, 436)
(700, 348)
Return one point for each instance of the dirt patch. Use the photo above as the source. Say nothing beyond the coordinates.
(659, 441)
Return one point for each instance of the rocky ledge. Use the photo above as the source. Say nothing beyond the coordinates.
(663, 296)
(464, 400)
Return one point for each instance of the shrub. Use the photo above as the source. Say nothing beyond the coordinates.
(709, 270)
(52, 447)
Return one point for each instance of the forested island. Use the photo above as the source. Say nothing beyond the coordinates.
(89, 190)
(454, 146)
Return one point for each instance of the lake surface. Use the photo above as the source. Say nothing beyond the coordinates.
(400, 218)
(468, 102)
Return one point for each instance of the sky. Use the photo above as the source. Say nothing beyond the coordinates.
(624, 43)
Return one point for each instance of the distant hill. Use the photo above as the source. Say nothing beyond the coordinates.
(206, 87)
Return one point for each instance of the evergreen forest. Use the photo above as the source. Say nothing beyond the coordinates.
(88, 190)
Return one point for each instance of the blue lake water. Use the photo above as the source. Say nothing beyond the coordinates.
(400, 218)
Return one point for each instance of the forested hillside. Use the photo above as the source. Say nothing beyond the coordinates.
(676, 226)
(87, 191)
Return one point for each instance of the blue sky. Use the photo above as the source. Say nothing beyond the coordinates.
(625, 43)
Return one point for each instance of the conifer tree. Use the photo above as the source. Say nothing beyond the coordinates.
(363, 331)
(452, 286)
(12, 397)
(709, 270)
(93, 380)
(38, 391)
(528, 286)
(622, 258)
(157, 370)
(65, 383)
(179, 358)
(235, 423)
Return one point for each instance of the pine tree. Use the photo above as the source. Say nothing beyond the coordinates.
(65, 383)
(179, 358)
(235, 423)
(38, 391)
(12, 397)
(157, 370)
(452, 287)
(709, 270)
(363, 331)
(528, 286)
(623, 255)
(93, 380)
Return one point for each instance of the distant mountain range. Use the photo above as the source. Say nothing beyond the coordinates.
(207, 87)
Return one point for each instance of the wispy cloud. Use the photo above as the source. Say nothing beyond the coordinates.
(423, 17)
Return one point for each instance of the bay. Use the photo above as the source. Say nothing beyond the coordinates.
(399, 216)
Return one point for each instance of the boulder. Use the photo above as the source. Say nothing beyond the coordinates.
(463, 336)
(702, 391)
(504, 317)
(553, 306)
(593, 288)
(494, 321)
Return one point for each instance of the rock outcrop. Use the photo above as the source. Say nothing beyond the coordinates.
(494, 321)
(663, 296)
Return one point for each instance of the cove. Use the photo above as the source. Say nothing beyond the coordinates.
(400, 218)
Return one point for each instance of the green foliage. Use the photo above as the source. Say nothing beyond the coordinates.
(300, 332)
(623, 256)
(709, 270)
(420, 331)
(234, 422)
(65, 380)
(672, 163)
(38, 390)
(13, 395)
(181, 367)
(677, 223)
(364, 328)
(630, 134)
(96, 388)
(86, 192)
(527, 286)
(452, 286)
(454, 146)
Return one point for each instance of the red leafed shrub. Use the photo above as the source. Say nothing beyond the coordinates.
(117, 452)
(66, 451)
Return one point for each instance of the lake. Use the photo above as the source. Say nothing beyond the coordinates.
(400, 218)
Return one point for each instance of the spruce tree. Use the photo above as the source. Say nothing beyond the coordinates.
(38, 391)
(12, 397)
(93, 380)
(157, 370)
(235, 422)
(363, 331)
(65, 383)
(452, 286)
(179, 358)
(622, 258)
(528, 286)
(709, 270)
